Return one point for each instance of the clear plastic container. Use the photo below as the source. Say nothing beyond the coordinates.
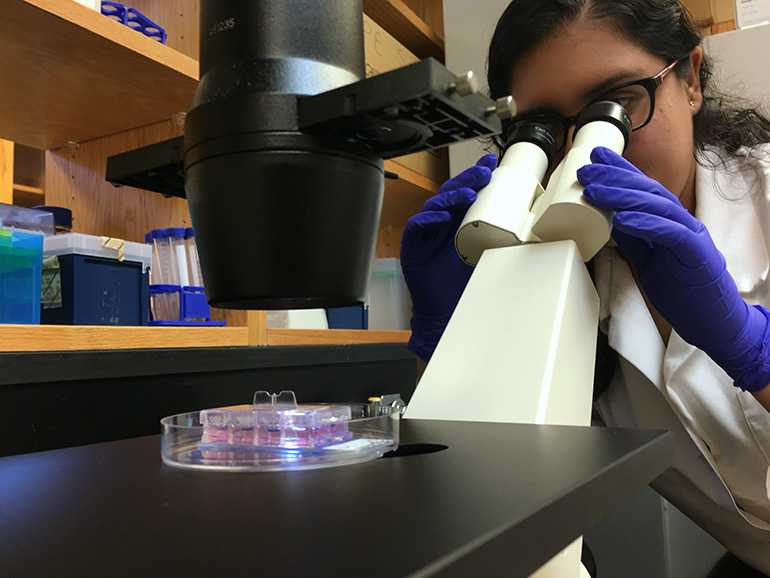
(193, 263)
(176, 241)
(165, 271)
(19, 218)
(21, 271)
(62, 217)
(153, 273)
(279, 435)
(95, 246)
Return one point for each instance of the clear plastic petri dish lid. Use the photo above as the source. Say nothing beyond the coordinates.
(276, 434)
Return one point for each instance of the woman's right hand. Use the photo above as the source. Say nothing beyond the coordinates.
(434, 272)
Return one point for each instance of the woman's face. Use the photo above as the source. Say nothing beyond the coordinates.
(577, 64)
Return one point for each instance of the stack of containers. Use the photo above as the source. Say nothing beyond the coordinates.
(177, 296)
(21, 271)
(21, 262)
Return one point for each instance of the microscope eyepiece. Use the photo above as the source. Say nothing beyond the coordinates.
(535, 133)
(607, 111)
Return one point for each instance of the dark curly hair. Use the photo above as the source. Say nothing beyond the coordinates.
(662, 27)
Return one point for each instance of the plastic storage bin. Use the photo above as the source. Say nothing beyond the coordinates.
(390, 306)
(353, 317)
(21, 269)
(89, 280)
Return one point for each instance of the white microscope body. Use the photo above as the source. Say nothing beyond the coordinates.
(521, 343)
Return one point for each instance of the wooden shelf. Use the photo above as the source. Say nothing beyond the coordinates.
(94, 77)
(71, 74)
(404, 196)
(406, 27)
(333, 336)
(29, 190)
(16, 338)
(85, 337)
(24, 196)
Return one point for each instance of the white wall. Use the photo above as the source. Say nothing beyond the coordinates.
(468, 28)
(741, 62)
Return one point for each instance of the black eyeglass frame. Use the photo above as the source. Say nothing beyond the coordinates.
(650, 84)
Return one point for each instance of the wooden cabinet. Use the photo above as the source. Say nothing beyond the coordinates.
(82, 87)
(714, 16)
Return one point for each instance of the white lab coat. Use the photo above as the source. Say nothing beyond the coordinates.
(721, 472)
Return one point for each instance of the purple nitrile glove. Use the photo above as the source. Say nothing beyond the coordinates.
(434, 272)
(682, 272)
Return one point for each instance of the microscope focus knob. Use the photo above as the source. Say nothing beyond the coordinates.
(505, 107)
(465, 84)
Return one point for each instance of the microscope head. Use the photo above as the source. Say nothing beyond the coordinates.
(562, 212)
(514, 208)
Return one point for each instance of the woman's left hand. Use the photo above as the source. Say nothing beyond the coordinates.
(682, 272)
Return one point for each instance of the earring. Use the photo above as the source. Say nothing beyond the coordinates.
(692, 103)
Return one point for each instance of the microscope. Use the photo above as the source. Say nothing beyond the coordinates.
(521, 343)
(524, 331)
(282, 158)
(282, 167)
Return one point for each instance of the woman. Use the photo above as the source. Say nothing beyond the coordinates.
(684, 289)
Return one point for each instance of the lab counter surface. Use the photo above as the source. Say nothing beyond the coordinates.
(457, 499)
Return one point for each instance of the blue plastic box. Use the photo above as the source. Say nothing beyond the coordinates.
(93, 283)
(21, 267)
(353, 317)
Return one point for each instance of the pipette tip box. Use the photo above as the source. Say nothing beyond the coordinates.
(21, 269)
(91, 280)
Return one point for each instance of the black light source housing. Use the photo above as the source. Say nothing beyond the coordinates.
(283, 219)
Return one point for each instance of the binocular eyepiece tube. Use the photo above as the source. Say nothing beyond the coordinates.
(514, 208)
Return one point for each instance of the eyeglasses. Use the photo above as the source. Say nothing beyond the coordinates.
(637, 97)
